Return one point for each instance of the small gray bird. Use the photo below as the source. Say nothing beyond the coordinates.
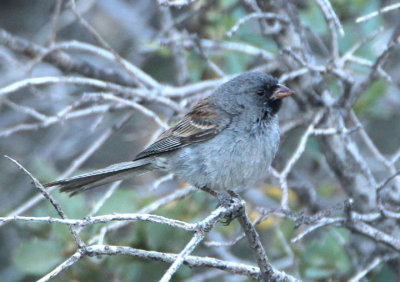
(226, 142)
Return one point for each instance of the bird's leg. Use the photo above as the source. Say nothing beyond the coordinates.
(233, 194)
(209, 191)
(225, 200)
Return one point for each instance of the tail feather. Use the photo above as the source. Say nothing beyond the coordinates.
(80, 183)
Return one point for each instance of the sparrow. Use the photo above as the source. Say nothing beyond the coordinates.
(226, 142)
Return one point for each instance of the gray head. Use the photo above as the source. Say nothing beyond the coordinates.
(251, 91)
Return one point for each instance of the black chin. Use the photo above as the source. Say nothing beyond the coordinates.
(275, 105)
(272, 108)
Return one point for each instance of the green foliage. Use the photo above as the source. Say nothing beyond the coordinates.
(324, 257)
(44, 171)
(326, 190)
(75, 207)
(126, 268)
(122, 201)
(366, 104)
(312, 17)
(236, 64)
(384, 273)
(37, 257)
(196, 66)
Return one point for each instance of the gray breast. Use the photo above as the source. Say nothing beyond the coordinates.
(235, 159)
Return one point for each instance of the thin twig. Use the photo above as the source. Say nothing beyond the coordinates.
(295, 157)
(73, 259)
(373, 264)
(137, 74)
(176, 195)
(381, 11)
(268, 273)
(62, 60)
(74, 165)
(53, 24)
(191, 261)
(90, 220)
(177, 3)
(194, 242)
(53, 202)
(132, 104)
(269, 16)
(322, 223)
(144, 94)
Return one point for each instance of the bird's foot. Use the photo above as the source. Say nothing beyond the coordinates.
(226, 200)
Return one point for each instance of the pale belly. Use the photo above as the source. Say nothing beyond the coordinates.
(226, 162)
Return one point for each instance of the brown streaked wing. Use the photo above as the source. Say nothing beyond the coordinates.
(200, 124)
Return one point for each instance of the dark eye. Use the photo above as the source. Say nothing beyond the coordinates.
(260, 92)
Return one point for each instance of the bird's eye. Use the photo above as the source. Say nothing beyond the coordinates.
(260, 92)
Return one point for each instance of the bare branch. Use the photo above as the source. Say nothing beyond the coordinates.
(269, 16)
(90, 220)
(192, 261)
(373, 264)
(75, 165)
(374, 14)
(138, 75)
(295, 157)
(196, 239)
(132, 104)
(322, 223)
(62, 60)
(73, 259)
(147, 95)
(53, 202)
(175, 2)
(268, 273)
(178, 194)
(350, 99)
(375, 234)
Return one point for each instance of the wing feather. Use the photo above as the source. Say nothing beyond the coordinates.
(203, 122)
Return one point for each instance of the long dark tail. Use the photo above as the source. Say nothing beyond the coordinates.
(80, 183)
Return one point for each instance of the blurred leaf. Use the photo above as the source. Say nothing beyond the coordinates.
(266, 224)
(384, 274)
(221, 21)
(227, 3)
(195, 65)
(374, 23)
(318, 273)
(287, 228)
(122, 201)
(127, 269)
(44, 171)
(326, 189)
(276, 192)
(236, 63)
(62, 232)
(38, 257)
(164, 238)
(160, 67)
(313, 18)
(74, 207)
(332, 83)
(369, 97)
(324, 256)
(345, 7)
